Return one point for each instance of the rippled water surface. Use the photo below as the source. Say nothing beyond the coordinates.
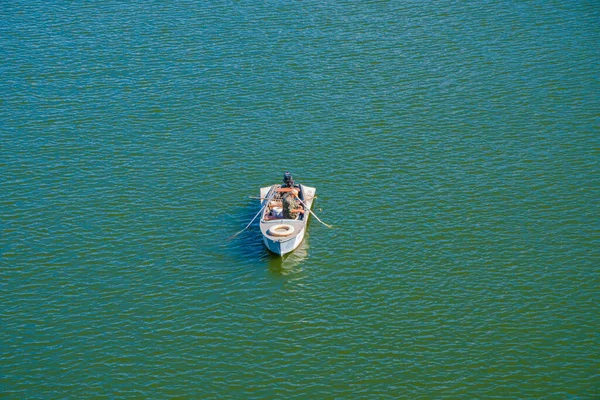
(454, 147)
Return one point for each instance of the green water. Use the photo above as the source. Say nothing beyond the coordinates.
(454, 147)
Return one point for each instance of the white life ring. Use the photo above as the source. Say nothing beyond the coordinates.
(281, 230)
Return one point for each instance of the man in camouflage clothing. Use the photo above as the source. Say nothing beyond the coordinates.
(290, 203)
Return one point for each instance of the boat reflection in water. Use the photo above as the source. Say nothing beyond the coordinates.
(289, 263)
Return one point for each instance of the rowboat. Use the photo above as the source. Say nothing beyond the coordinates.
(283, 235)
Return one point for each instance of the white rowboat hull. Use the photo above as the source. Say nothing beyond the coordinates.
(281, 245)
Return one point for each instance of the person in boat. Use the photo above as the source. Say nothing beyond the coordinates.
(290, 204)
(289, 197)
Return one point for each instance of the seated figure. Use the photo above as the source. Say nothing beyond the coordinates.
(290, 205)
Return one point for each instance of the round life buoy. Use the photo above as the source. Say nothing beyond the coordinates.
(281, 230)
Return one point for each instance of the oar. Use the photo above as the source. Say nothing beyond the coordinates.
(315, 215)
(264, 198)
(257, 214)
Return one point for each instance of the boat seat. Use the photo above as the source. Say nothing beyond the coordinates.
(286, 190)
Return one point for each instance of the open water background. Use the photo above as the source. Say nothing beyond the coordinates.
(454, 145)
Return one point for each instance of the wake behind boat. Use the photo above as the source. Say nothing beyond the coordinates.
(285, 212)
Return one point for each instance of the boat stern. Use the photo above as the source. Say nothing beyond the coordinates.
(282, 246)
